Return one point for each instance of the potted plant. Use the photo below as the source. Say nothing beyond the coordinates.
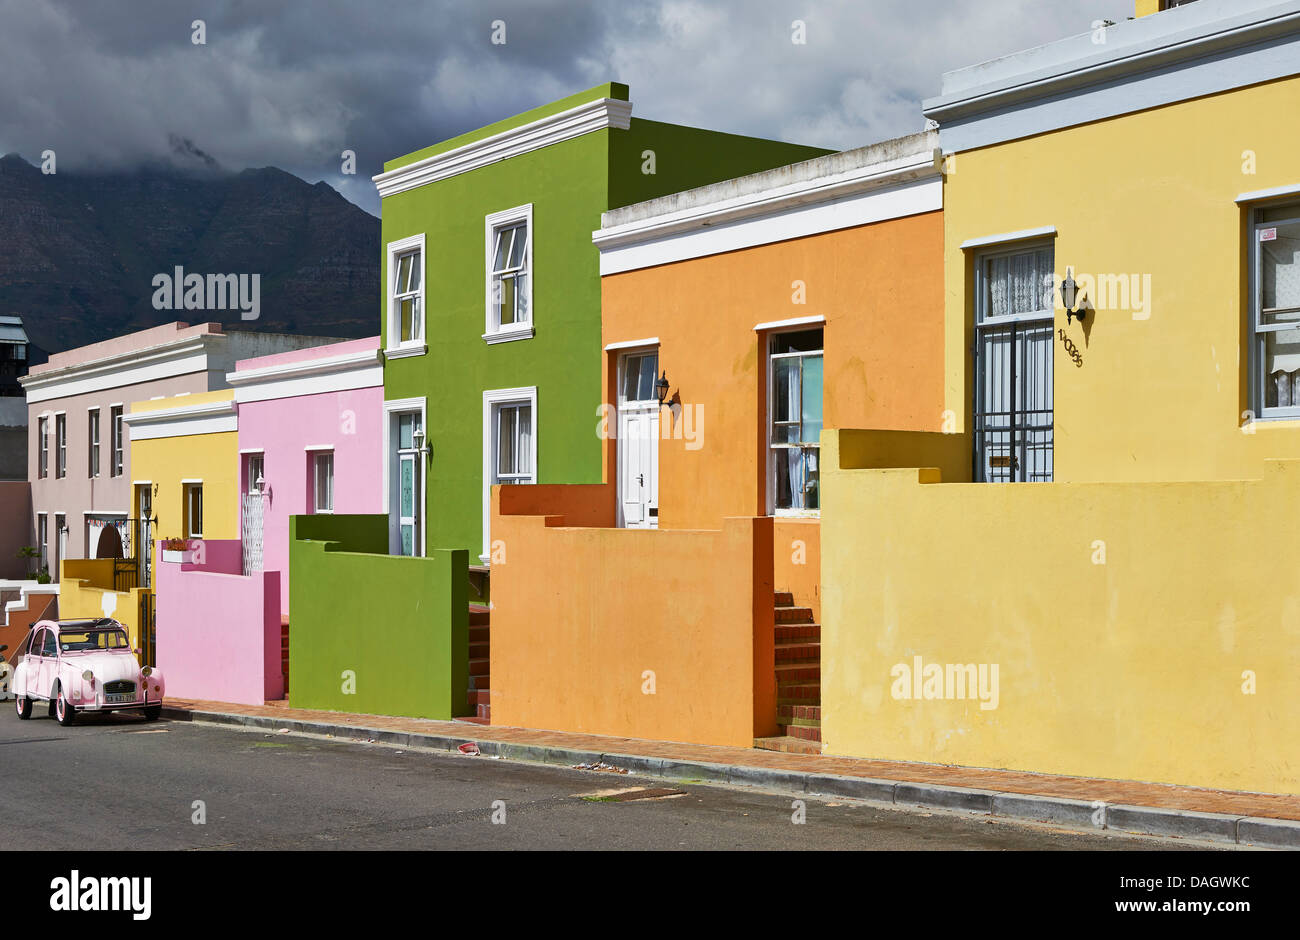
(43, 576)
(177, 550)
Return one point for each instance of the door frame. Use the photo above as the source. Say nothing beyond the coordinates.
(621, 407)
(392, 409)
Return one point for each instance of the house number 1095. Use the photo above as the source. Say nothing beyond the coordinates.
(1070, 348)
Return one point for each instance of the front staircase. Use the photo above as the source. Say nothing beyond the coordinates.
(479, 698)
(798, 680)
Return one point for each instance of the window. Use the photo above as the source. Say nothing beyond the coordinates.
(509, 281)
(43, 540)
(254, 473)
(1275, 310)
(406, 295)
(92, 442)
(61, 445)
(43, 448)
(639, 374)
(1014, 309)
(794, 434)
(323, 482)
(115, 416)
(194, 510)
(509, 444)
(49, 644)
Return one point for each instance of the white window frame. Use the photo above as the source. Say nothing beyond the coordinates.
(43, 447)
(395, 347)
(316, 457)
(392, 409)
(252, 458)
(94, 436)
(187, 492)
(117, 433)
(492, 398)
(766, 338)
(494, 332)
(1258, 331)
(43, 541)
(60, 445)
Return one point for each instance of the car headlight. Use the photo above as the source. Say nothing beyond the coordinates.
(147, 671)
(88, 676)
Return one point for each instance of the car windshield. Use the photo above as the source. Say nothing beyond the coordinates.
(80, 640)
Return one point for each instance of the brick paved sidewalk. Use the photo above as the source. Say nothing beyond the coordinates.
(1129, 792)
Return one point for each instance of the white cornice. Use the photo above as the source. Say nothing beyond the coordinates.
(177, 357)
(857, 181)
(594, 115)
(344, 372)
(208, 418)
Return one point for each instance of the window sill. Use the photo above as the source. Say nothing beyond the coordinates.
(797, 514)
(508, 336)
(403, 352)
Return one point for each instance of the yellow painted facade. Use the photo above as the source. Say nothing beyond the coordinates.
(1146, 196)
(212, 458)
(1142, 610)
(86, 593)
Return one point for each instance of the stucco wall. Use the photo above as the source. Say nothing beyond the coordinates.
(15, 528)
(582, 616)
(218, 632)
(398, 627)
(1125, 618)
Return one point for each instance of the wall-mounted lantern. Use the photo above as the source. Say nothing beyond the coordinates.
(417, 438)
(661, 388)
(1069, 297)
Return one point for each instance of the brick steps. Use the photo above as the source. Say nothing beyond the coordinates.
(479, 696)
(788, 745)
(798, 679)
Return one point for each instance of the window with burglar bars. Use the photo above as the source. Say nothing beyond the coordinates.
(1013, 420)
(1275, 310)
(795, 380)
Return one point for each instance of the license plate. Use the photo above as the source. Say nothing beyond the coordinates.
(113, 698)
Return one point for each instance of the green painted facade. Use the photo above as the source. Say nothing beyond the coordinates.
(569, 184)
(400, 626)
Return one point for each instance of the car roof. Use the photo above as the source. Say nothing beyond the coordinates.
(73, 625)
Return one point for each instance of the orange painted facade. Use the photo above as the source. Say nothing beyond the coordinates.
(880, 289)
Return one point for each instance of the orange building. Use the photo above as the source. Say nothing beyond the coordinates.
(738, 320)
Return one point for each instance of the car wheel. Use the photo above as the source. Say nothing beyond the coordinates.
(151, 712)
(24, 706)
(64, 711)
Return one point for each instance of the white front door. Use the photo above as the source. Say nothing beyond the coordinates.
(638, 442)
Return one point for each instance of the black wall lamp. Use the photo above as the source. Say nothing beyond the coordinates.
(661, 388)
(1069, 296)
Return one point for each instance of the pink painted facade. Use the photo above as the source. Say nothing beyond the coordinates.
(218, 631)
(296, 406)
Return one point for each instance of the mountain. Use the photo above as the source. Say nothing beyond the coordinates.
(80, 250)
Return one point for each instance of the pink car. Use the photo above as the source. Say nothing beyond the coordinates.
(83, 665)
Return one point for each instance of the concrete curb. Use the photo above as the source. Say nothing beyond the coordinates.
(1097, 814)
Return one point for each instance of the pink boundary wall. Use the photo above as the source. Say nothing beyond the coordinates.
(351, 422)
(218, 631)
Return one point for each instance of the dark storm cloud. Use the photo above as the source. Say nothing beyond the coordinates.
(112, 83)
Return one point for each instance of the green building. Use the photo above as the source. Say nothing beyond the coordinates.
(490, 318)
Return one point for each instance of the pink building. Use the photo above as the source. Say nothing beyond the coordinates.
(78, 458)
(310, 426)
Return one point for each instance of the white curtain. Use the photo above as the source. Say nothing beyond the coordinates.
(1020, 283)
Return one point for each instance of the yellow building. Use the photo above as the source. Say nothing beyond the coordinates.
(1138, 602)
(185, 465)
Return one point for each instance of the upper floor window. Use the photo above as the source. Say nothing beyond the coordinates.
(1275, 303)
(406, 296)
(60, 445)
(119, 432)
(254, 473)
(323, 481)
(509, 274)
(92, 442)
(43, 448)
(193, 509)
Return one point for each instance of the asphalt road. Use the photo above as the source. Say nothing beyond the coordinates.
(117, 782)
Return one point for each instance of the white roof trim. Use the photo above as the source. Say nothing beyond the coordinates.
(1259, 195)
(159, 415)
(282, 370)
(633, 343)
(177, 357)
(794, 321)
(344, 372)
(1022, 235)
(849, 183)
(595, 115)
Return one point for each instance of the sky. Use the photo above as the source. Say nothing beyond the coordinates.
(113, 84)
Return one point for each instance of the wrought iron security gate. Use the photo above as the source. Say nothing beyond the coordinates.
(1013, 421)
(251, 531)
(148, 630)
